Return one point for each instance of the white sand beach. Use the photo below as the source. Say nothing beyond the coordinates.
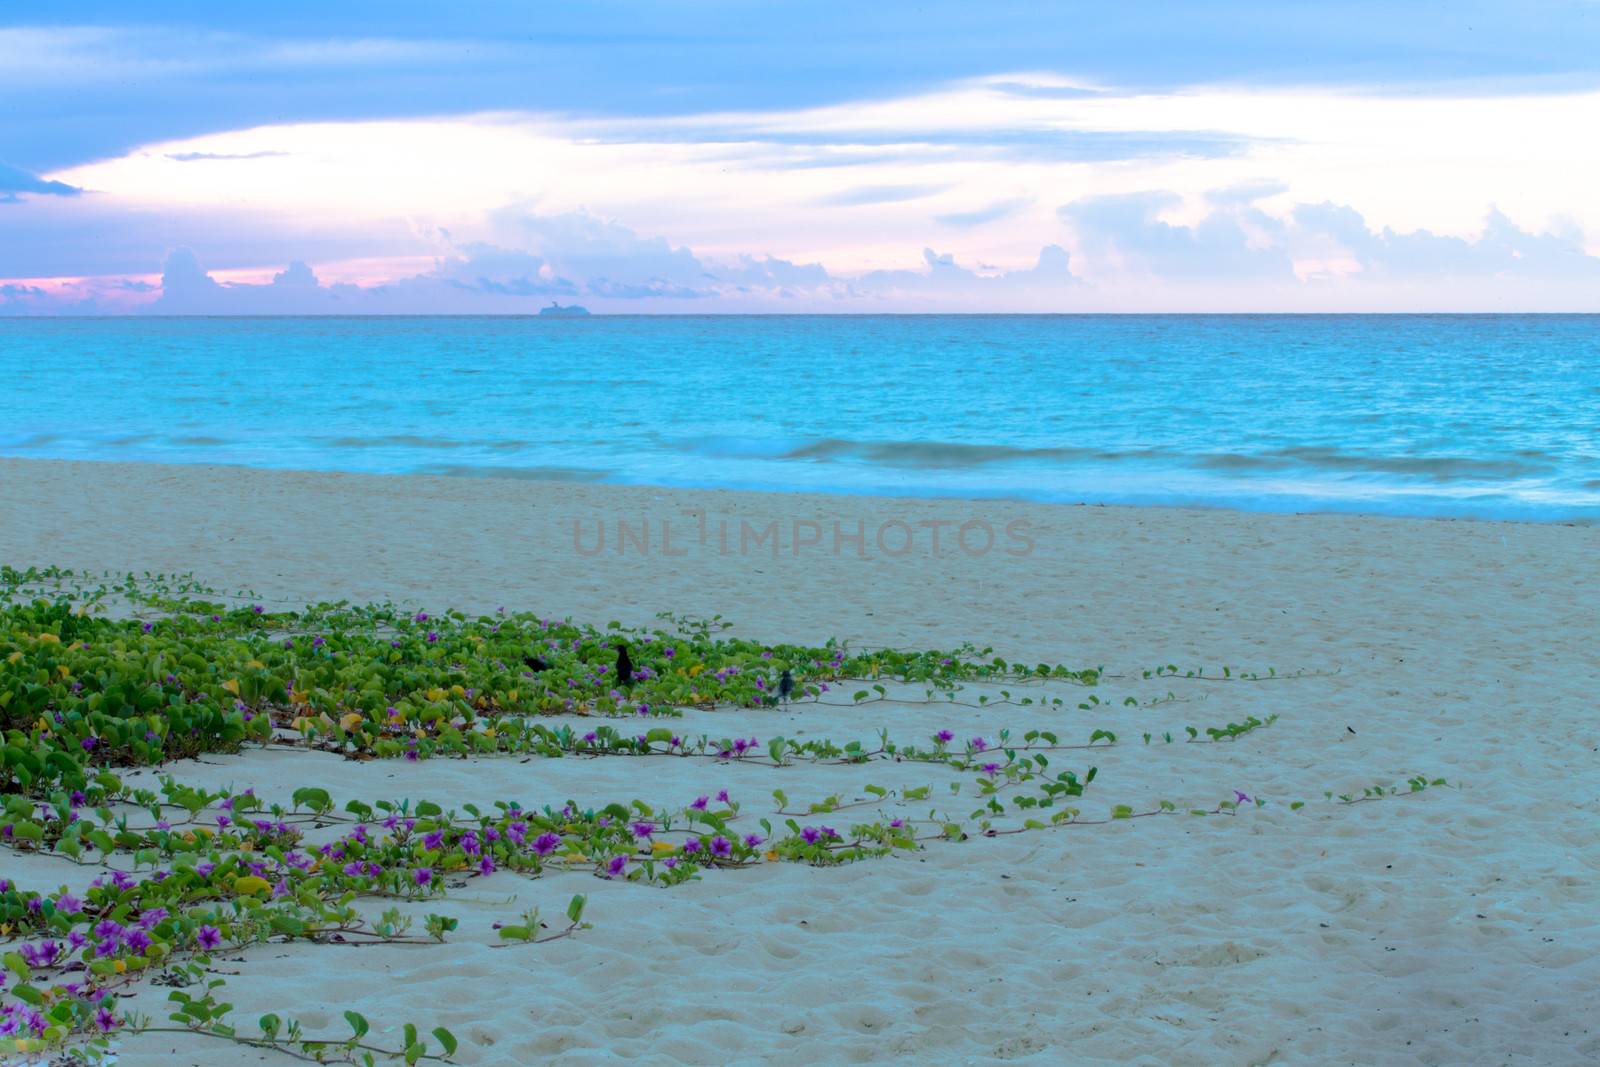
(1458, 925)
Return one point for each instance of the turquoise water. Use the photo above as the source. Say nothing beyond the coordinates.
(1487, 416)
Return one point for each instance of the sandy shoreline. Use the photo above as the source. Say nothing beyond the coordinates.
(1457, 926)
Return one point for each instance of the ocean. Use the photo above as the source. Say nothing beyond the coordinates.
(1421, 415)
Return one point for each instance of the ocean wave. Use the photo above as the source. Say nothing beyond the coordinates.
(912, 454)
(527, 474)
(417, 441)
(954, 455)
(1434, 468)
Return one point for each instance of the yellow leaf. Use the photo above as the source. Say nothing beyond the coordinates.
(252, 885)
(66, 672)
(435, 694)
(120, 966)
(662, 846)
(458, 690)
(256, 664)
(772, 854)
(15, 657)
(696, 669)
(348, 722)
(50, 639)
(575, 857)
(232, 686)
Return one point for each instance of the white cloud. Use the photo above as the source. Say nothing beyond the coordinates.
(979, 165)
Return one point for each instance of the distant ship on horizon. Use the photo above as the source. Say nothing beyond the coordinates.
(556, 311)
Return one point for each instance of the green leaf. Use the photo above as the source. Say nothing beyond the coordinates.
(445, 1038)
(310, 797)
(358, 1023)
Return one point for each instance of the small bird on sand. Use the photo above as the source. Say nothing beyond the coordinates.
(536, 663)
(785, 685)
(624, 667)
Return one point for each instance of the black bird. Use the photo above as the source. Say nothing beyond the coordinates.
(624, 667)
(785, 685)
(536, 663)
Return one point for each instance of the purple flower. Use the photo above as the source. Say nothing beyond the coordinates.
(106, 1021)
(944, 735)
(208, 937)
(895, 824)
(617, 865)
(1242, 798)
(546, 843)
(149, 626)
(978, 744)
(258, 609)
(700, 803)
(752, 840)
(433, 840)
(721, 846)
(811, 834)
(991, 769)
(422, 876)
(422, 616)
(318, 642)
(89, 742)
(433, 636)
(68, 904)
(722, 795)
(643, 830)
(691, 846)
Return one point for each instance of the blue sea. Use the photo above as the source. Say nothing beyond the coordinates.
(1478, 416)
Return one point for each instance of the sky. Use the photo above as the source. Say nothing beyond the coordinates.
(366, 158)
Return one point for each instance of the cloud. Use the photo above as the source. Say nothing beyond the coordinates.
(879, 194)
(1126, 229)
(768, 273)
(948, 283)
(1034, 91)
(15, 180)
(1142, 252)
(1247, 192)
(802, 148)
(1502, 250)
(1328, 250)
(195, 157)
(600, 263)
(998, 210)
